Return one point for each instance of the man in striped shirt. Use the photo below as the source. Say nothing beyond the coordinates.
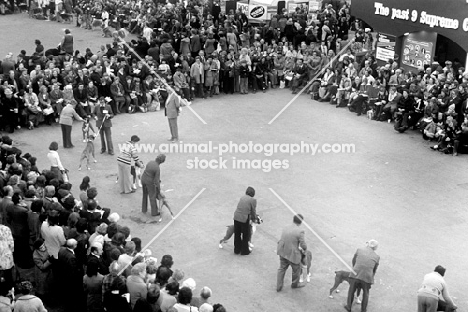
(128, 153)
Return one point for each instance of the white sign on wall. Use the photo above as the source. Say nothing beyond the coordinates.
(243, 7)
(257, 12)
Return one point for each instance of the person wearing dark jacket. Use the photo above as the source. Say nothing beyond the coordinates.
(245, 212)
(150, 179)
(404, 108)
(70, 276)
(149, 304)
(365, 264)
(300, 75)
(81, 97)
(17, 219)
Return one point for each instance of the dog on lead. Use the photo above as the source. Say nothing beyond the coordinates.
(340, 277)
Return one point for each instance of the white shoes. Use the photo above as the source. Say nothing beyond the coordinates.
(358, 300)
(251, 245)
(139, 184)
(301, 279)
(134, 186)
(84, 140)
(220, 246)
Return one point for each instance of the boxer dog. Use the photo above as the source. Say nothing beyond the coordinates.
(340, 277)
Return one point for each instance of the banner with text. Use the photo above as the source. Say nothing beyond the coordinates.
(243, 7)
(385, 47)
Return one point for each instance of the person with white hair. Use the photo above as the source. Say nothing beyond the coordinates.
(136, 283)
(365, 264)
(206, 307)
(190, 283)
(114, 217)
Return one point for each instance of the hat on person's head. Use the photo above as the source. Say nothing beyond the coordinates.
(135, 138)
(373, 243)
(190, 283)
(367, 30)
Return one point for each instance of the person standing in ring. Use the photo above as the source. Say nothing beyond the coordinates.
(245, 212)
(128, 152)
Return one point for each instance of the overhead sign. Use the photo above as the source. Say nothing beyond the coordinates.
(422, 17)
(314, 5)
(385, 47)
(257, 12)
(417, 53)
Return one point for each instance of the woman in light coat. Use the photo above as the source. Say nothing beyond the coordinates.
(66, 121)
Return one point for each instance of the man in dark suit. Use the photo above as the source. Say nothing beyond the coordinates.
(81, 97)
(300, 75)
(292, 238)
(103, 113)
(365, 263)
(245, 212)
(96, 257)
(172, 108)
(70, 276)
(6, 204)
(150, 179)
(17, 219)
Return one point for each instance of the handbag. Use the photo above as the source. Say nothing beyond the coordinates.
(322, 92)
(48, 110)
(282, 84)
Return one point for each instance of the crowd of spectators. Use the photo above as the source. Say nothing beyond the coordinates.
(82, 257)
(432, 99)
(181, 48)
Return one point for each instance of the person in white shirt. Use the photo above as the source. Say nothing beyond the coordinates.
(53, 235)
(55, 164)
(433, 294)
(105, 18)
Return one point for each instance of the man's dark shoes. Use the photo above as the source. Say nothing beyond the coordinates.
(299, 285)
